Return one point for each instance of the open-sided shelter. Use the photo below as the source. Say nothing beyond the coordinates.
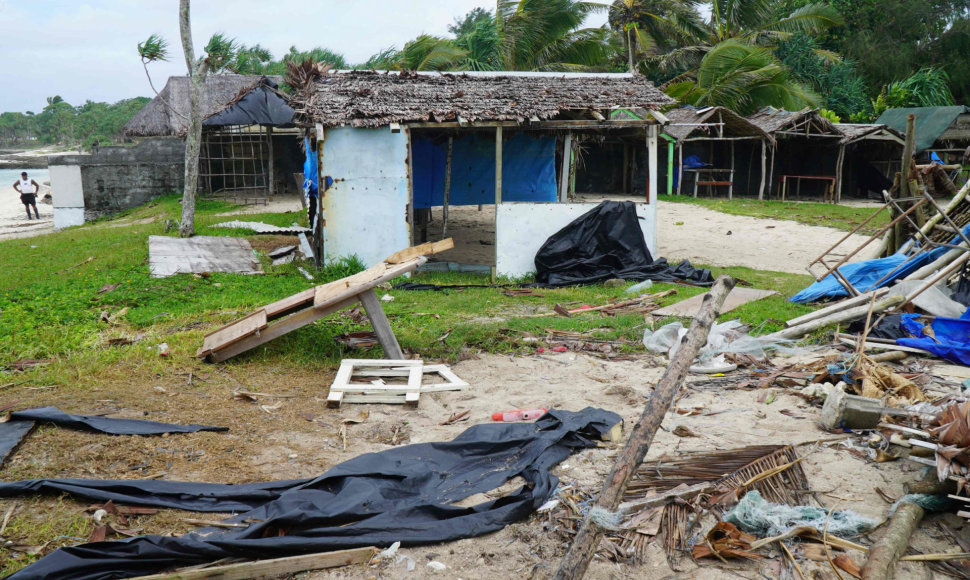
(872, 155)
(400, 146)
(243, 153)
(733, 151)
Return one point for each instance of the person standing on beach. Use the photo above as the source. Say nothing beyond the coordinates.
(27, 188)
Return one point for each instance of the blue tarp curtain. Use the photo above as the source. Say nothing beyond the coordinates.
(528, 170)
(309, 170)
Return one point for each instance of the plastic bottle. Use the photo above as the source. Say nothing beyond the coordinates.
(519, 415)
(639, 288)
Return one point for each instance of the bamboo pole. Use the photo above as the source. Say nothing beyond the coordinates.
(764, 175)
(842, 316)
(577, 558)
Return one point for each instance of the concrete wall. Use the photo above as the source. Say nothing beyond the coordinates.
(366, 207)
(69, 201)
(114, 179)
(522, 228)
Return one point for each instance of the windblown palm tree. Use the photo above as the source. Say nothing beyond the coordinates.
(653, 27)
(541, 35)
(744, 78)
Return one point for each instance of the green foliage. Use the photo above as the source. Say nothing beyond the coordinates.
(547, 35)
(836, 80)
(744, 78)
(154, 48)
(59, 122)
(927, 87)
(830, 115)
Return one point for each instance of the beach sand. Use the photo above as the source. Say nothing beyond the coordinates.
(13, 216)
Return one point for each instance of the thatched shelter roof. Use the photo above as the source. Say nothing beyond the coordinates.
(376, 99)
(690, 122)
(168, 113)
(807, 121)
(860, 131)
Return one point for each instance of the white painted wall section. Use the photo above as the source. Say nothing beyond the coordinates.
(522, 228)
(366, 207)
(68, 195)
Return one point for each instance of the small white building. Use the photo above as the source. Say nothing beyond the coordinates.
(487, 158)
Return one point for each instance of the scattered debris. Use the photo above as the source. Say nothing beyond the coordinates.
(738, 297)
(168, 255)
(372, 388)
(263, 228)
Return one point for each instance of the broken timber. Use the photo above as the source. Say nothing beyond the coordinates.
(315, 303)
(273, 568)
(344, 390)
(580, 552)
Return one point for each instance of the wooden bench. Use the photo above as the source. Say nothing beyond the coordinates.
(712, 181)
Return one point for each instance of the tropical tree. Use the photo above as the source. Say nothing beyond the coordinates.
(838, 82)
(653, 27)
(927, 87)
(742, 77)
(537, 35)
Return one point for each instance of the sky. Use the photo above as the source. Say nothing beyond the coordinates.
(87, 49)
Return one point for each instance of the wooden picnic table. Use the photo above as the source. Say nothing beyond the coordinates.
(712, 179)
(783, 184)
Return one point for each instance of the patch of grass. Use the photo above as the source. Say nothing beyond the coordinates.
(811, 213)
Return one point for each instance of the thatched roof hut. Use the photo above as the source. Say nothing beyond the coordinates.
(168, 114)
(376, 99)
(807, 123)
(690, 122)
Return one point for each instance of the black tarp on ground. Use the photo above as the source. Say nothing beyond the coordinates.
(261, 106)
(403, 494)
(105, 424)
(607, 242)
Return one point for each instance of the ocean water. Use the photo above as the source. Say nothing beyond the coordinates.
(8, 176)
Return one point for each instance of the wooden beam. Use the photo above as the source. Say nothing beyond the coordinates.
(652, 149)
(426, 249)
(272, 568)
(382, 328)
(586, 541)
(839, 163)
(764, 169)
(567, 147)
(269, 163)
(680, 167)
(549, 125)
(447, 192)
(498, 166)
(318, 230)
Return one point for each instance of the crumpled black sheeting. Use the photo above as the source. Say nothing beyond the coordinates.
(402, 494)
(106, 424)
(607, 242)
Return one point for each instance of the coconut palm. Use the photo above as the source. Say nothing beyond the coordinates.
(653, 27)
(744, 78)
(538, 35)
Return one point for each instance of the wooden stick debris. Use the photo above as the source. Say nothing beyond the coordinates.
(884, 555)
(273, 568)
(577, 558)
(843, 316)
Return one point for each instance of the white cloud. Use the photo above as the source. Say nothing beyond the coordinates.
(87, 49)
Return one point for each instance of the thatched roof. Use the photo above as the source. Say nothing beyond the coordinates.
(376, 99)
(772, 120)
(688, 122)
(168, 113)
(859, 131)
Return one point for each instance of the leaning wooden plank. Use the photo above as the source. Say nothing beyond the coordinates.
(364, 280)
(232, 332)
(427, 249)
(869, 345)
(278, 329)
(382, 328)
(273, 568)
(837, 307)
(289, 304)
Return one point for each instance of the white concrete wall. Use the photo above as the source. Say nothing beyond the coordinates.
(366, 207)
(522, 228)
(68, 195)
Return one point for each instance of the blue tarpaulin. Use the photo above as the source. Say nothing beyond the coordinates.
(309, 170)
(528, 170)
(864, 275)
(950, 340)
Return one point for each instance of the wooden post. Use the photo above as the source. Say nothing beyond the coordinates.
(909, 147)
(498, 194)
(382, 328)
(837, 194)
(567, 153)
(731, 187)
(269, 164)
(882, 557)
(764, 156)
(447, 193)
(412, 235)
(625, 188)
(652, 146)
(680, 167)
(577, 558)
(771, 170)
(321, 185)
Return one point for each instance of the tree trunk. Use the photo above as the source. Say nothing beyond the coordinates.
(193, 138)
(577, 558)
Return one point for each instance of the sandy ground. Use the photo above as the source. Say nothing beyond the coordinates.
(574, 381)
(703, 236)
(13, 216)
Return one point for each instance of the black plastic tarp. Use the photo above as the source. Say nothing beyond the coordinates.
(105, 424)
(403, 494)
(607, 242)
(261, 106)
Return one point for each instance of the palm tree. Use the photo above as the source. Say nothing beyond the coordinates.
(744, 78)
(538, 35)
(653, 27)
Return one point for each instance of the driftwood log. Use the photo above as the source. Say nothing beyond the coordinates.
(884, 555)
(577, 558)
(843, 316)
